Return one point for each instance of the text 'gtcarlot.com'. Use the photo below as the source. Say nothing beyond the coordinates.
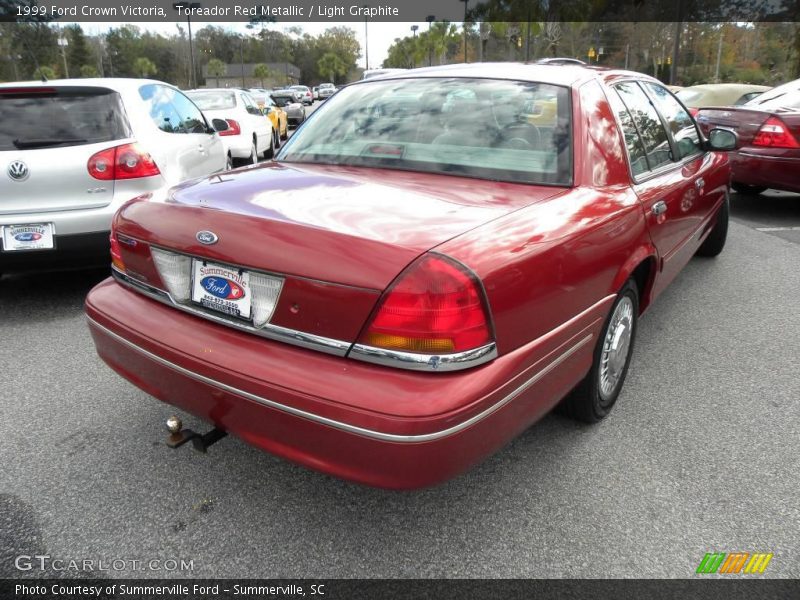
(45, 562)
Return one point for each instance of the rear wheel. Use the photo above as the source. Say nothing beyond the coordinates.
(228, 162)
(270, 152)
(715, 241)
(748, 190)
(594, 397)
(285, 133)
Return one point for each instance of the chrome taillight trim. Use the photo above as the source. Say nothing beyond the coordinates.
(436, 363)
(269, 331)
(424, 362)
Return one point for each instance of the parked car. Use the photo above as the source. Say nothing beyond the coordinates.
(295, 111)
(305, 95)
(315, 92)
(718, 94)
(395, 298)
(249, 133)
(326, 90)
(768, 127)
(73, 151)
(278, 116)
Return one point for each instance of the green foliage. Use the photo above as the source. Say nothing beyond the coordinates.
(88, 71)
(44, 72)
(144, 67)
(331, 67)
(261, 72)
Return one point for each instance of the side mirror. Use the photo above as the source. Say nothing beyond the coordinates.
(722, 139)
(220, 125)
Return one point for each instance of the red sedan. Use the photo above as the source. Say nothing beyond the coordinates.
(422, 273)
(769, 139)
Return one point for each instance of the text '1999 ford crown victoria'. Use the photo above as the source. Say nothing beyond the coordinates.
(431, 264)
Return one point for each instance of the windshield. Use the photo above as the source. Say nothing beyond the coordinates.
(283, 100)
(480, 128)
(213, 100)
(47, 118)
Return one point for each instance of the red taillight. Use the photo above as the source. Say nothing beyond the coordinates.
(116, 254)
(775, 134)
(436, 306)
(693, 111)
(233, 128)
(128, 161)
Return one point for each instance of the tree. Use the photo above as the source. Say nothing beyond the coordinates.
(44, 72)
(261, 72)
(144, 67)
(216, 68)
(88, 71)
(78, 51)
(330, 65)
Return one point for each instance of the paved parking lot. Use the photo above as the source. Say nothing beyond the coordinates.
(700, 454)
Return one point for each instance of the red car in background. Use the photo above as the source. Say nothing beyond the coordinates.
(768, 128)
(407, 286)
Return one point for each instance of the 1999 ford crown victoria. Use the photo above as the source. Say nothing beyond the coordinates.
(422, 273)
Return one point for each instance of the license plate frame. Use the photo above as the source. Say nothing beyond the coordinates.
(222, 289)
(40, 236)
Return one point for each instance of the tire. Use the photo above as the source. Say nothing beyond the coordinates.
(270, 152)
(715, 241)
(229, 162)
(285, 134)
(253, 158)
(595, 396)
(748, 190)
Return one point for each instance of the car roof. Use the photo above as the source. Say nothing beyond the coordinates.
(728, 86)
(118, 84)
(556, 74)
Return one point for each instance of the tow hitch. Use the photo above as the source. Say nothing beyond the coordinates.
(179, 436)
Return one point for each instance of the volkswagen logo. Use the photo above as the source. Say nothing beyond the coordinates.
(207, 237)
(18, 171)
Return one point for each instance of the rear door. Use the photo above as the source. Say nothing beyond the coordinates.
(677, 182)
(47, 135)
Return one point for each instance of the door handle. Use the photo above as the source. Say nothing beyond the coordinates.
(659, 208)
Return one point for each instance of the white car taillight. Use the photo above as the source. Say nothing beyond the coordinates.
(176, 273)
(264, 291)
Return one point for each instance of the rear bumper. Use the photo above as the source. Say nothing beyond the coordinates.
(371, 424)
(768, 171)
(71, 251)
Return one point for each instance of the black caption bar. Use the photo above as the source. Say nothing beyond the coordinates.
(416, 589)
(400, 10)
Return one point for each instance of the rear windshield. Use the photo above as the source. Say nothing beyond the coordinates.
(213, 100)
(785, 97)
(283, 100)
(485, 128)
(56, 117)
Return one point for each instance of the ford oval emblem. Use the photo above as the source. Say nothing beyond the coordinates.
(222, 287)
(28, 236)
(207, 237)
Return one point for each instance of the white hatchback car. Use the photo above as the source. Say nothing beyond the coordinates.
(73, 151)
(250, 133)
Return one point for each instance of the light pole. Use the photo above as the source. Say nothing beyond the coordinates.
(188, 7)
(430, 19)
(413, 58)
(466, 4)
(366, 41)
(63, 43)
(241, 57)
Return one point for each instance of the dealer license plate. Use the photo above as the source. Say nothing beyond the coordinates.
(36, 236)
(221, 288)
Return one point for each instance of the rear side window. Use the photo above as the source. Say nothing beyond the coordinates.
(56, 117)
(213, 100)
(633, 142)
(648, 124)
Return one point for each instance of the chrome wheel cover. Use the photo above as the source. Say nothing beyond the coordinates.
(614, 356)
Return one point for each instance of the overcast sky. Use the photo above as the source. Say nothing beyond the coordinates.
(381, 35)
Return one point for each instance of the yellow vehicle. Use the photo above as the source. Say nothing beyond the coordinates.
(278, 116)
